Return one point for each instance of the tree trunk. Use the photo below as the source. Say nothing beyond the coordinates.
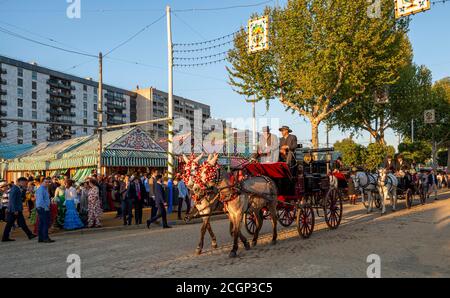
(315, 134)
(448, 160)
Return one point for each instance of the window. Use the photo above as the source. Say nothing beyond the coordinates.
(20, 102)
(34, 114)
(34, 143)
(19, 92)
(84, 96)
(34, 134)
(19, 72)
(19, 82)
(85, 105)
(85, 113)
(33, 85)
(95, 107)
(85, 121)
(34, 105)
(34, 76)
(95, 123)
(95, 98)
(20, 133)
(20, 123)
(34, 125)
(19, 141)
(33, 95)
(19, 113)
(84, 88)
(85, 130)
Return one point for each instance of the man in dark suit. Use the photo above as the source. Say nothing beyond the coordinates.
(160, 202)
(288, 144)
(152, 182)
(432, 183)
(389, 164)
(15, 209)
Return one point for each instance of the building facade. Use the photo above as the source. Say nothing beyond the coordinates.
(152, 103)
(31, 92)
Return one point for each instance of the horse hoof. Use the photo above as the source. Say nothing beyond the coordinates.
(273, 242)
(198, 251)
(247, 246)
(232, 254)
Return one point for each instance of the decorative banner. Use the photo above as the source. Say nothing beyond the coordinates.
(407, 7)
(258, 34)
(429, 117)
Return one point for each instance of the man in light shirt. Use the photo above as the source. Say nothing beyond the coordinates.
(43, 211)
(268, 149)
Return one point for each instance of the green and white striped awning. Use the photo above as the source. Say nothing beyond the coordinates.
(130, 158)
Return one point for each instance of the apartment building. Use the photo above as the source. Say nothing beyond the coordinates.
(31, 92)
(152, 103)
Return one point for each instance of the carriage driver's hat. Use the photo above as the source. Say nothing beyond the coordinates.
(284, 127)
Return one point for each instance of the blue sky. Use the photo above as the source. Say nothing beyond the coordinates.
(106, 23)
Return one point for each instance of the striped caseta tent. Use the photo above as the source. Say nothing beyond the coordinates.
(121, 148)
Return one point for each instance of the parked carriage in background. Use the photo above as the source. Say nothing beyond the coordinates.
(303, 192)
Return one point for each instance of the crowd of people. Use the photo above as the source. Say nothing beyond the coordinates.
(60, 202)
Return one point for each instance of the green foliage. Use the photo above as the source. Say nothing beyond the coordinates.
(442, 158)
(418, 151)
(323, 55)
(375, 154)
(352, 152)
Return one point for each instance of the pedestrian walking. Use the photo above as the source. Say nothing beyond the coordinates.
(3, 200)
(183, 195)
(43, 211)
(159, 201)
(127, 202)
(94, 205)
(432, 184)
(15, 210)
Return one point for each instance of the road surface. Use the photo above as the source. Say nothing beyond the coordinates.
(410, 243)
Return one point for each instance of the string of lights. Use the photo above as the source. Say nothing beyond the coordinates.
(200, 64)
(201, 57)
(192, 44)
(205, 48)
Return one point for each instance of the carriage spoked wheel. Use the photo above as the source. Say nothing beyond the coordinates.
(305, 221)
(286, 214)
(332, 209)
(250, 222)
(408, 198)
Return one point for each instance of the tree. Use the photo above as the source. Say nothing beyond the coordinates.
(418, 151)
(323, 55)
(405, 98)
(351, 152)
(437, 134)
(375, 154)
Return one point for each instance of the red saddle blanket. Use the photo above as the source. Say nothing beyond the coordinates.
(276, 170)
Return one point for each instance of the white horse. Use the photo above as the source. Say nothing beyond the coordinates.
(387, 184)
(366, 183)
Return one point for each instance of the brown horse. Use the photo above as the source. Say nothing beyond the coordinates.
(239, 195)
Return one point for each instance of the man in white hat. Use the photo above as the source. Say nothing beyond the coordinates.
(268, 149)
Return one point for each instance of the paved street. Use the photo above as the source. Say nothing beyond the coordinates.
(411, 243)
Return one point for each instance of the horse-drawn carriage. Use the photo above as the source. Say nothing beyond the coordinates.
(301, 191)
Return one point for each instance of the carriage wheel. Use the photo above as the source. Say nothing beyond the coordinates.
(333, 209)
(286, 215)
(305, 221)
(408, 198)
(250, 222)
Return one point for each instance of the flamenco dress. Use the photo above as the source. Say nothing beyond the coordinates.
(72, 220)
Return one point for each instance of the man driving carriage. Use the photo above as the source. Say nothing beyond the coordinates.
(288, 144)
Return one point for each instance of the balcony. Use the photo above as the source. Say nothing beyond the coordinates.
(3, 114)
(3, 92)
(3, 71)
(60, 94)
(3, 82)
(118, 98)
(60, 113)
(3, 102)
(60, 85)
(68, 122)
(60, 103)
(114, 121)
(113, 105)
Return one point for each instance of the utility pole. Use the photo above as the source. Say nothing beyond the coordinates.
(254, 133)
(100, 114)
(328, 136)
(412, 130)
(170, 108)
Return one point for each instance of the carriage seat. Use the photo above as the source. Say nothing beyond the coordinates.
(274, 170)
